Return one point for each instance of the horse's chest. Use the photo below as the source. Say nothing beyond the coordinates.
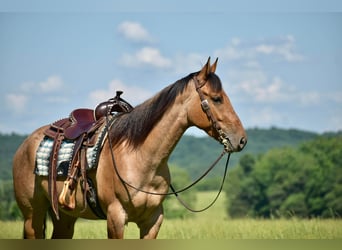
(142, 204)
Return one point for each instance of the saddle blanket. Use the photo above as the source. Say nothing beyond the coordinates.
(65, 155)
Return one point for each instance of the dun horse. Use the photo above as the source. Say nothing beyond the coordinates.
(141, 141)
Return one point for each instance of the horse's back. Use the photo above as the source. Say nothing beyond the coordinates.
(24, 164)
(26, 153)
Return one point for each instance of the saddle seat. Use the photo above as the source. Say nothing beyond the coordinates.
(82, 120)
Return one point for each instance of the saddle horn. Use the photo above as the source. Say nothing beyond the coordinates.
(115, 104)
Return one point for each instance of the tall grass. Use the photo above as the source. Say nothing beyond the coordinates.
(211, 224)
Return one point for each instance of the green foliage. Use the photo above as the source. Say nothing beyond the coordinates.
(262, 140)
(286, 182)
(172, 208)
(9, 145)
(322, 181)
(195, 154)
(8, 207)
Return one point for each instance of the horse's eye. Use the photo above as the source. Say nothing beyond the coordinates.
(216, 99)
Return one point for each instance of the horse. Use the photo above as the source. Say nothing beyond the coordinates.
(141, 141)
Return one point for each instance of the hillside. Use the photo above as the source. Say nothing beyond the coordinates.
(196, 154)
(193, 154)
(9, 145)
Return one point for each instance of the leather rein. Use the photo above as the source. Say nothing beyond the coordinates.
(223, 138)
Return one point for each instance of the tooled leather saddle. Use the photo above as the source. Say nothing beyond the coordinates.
(81, 127)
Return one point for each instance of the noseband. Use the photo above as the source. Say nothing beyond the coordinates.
(223, 137)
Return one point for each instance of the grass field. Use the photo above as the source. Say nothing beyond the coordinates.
(211, 224)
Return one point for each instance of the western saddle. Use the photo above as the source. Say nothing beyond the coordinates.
(82, 127)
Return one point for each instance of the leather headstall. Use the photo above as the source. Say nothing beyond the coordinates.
(223, 137)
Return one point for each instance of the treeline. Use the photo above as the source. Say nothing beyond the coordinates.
(8, 146)
(9, 209)
(289, 182)
(8, 206)
(194, 154)
(275, 176)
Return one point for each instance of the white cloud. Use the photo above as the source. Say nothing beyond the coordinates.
(134, 31)
(254, 84)
(309, 98)
(247, 53)
(17, 102)
(265, 49)
(147, 56)
(132, 94)
(283, 48)
(31, 94)
(231, 51)
(51, 84)
(274, 91)
(152, 57)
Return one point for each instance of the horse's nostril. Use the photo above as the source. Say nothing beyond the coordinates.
(243, 142)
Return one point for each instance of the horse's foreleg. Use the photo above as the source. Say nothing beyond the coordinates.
(116, 219)
(64, 227)
(149, 229)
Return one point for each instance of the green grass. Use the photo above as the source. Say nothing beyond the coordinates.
(211, 224)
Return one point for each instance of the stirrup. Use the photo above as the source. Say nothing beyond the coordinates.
(67, 198)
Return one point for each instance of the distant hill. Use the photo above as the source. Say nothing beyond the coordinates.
(8, 146)
(193, 154)
(196, 154)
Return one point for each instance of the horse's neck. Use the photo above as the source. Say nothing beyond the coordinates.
(163, 138)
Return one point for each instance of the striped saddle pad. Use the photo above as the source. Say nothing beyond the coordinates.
(65, 154)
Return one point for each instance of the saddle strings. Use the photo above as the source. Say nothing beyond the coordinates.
(174, 192)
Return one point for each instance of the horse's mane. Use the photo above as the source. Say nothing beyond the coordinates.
(137, 124)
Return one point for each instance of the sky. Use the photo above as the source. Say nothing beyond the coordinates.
(280, 66)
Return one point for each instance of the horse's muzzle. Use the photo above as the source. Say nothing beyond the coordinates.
(228, 146)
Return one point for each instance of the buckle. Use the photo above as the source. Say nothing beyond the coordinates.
(205, 105)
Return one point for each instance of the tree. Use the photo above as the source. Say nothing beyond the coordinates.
(8, 207)
(172, 208)
(242, 190)
(283, 182)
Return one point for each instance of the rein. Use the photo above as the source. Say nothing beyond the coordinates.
(223, 139)
(174, 192)
(213, 202)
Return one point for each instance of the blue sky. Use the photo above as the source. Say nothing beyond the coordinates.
(280, 67)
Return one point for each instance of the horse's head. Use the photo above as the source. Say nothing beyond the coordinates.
(212, 111)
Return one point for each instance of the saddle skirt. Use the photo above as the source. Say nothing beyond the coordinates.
(65, 154)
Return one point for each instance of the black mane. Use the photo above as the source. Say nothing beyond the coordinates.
(136, 125)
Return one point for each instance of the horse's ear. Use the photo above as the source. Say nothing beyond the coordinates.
(213, 67)
(203, 74)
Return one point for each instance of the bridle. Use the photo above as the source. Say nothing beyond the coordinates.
(223, 138)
